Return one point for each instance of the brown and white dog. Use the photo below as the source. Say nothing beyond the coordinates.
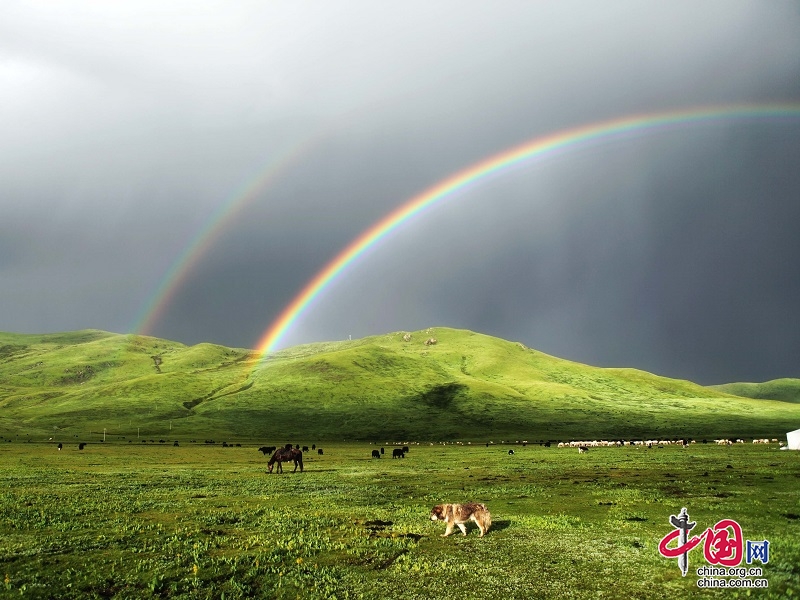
(459, 514)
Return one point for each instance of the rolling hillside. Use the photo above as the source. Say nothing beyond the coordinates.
(390, 387)
(786, 390)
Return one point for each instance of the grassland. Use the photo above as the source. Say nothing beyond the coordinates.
(132, 520)
(467, 386)
(785, 390)
(135, 516)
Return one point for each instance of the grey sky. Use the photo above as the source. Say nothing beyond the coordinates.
(127, 125)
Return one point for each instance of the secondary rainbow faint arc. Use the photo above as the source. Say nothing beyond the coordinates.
(537, 148)
(204, 239)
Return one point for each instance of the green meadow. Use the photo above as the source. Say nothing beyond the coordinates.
(466, 386)
(202, 521)
(152, 508)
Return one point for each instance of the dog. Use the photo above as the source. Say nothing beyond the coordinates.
(459, 514)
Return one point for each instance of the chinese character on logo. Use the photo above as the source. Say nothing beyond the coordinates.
(719, 549)
(681, 551)
(757, 551)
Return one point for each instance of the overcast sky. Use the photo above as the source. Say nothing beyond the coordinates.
(126, 126)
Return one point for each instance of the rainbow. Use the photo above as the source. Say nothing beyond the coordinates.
(217, 222)
(538, 148)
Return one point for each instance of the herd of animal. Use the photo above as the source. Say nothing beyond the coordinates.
(286, 454)
(396, 452)
(584, 446)
(294, 454)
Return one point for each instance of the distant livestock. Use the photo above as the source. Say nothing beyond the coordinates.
(398, 453)
(60, 445)
(305, 448)
(431, 341)
(376, 454)
(582, 449)
(405, 449)
(267, 449)
(81, 446)
(511, 452)
(319, 451)
(684, 442)
(283, 455)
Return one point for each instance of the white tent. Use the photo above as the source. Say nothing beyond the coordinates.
(793, 440)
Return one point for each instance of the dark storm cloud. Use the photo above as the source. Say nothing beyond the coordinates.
(127, 126)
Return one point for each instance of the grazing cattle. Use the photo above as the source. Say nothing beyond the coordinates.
(283, 455)
(381, 450)
(81, 446)
(319, 451)
(582, 449)
(405, 449)
(511, 452)
(305, 448)
(398, 453)
(313, 446)
(60, 445)
(376, 454)
(267, 449)
(176, 443)
(297, 447)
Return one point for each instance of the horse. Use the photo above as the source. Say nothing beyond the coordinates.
(283, 455)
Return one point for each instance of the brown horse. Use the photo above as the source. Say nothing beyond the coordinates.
(283, 455)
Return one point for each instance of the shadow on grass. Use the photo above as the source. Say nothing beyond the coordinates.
(499, 526)
(305, 472)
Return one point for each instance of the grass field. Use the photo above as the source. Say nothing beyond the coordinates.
(786, 390)
(466, 386)
(132, 520)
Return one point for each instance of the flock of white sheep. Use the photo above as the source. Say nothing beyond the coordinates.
(650, 443)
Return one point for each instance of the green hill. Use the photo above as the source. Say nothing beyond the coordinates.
(392, 387)
(785, 390)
